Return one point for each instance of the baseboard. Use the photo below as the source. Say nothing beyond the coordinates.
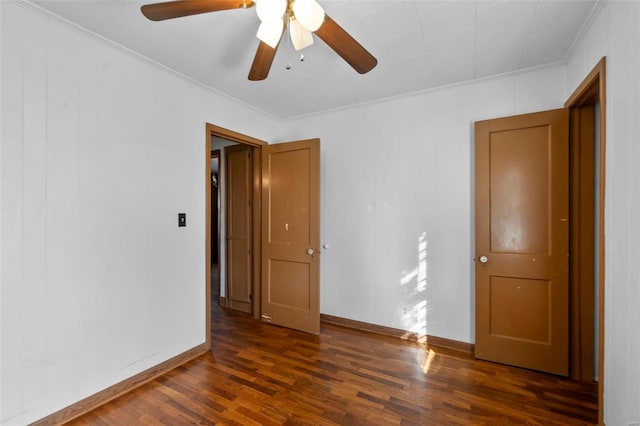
(440, 342)
(94, 401)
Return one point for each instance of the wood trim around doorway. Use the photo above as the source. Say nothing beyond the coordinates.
(592, 89)
(213, 130)
(221, 132)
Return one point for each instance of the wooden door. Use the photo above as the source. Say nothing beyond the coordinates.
(290, 234)
(238, 191)
(522, 240)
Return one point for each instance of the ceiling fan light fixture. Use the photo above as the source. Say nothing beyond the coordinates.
(309, 13)
(307, 17)
(300, 36)
(270, 10)
(270, 32)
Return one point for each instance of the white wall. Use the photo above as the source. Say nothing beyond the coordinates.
(100, 150)
(397, 184)
(615, 33)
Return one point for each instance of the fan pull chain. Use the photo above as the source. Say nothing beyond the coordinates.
(288, 30)
(290, 42)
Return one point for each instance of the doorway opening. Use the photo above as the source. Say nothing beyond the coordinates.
(587, 106)
(226, 137)
(581, 206)
(216, 293)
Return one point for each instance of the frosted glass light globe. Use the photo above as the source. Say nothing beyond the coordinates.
(300, 36)
(270, 32)
(270, 10)
(309, 13)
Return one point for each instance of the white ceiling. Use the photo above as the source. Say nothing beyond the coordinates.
(419, 44)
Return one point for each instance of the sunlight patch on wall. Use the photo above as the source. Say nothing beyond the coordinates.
(414, 284)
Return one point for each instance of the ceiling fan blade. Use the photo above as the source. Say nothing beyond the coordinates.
(346, 46)
(262, 62)
(178, 8)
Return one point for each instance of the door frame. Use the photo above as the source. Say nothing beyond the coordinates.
(256, 152)
(593, 89)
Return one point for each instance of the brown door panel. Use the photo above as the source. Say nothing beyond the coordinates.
(291, 234)
(239, 227)
(522, 240)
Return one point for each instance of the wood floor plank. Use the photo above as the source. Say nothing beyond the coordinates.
(260, 374)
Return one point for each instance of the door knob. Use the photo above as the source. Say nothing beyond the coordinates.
(483, 259)
(310, 252)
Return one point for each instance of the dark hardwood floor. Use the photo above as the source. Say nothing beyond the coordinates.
(260, 374)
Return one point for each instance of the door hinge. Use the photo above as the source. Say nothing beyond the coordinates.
(249, 154)
(249, 203)
(249, 252)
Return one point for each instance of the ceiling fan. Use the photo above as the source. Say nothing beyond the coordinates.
(302, 17)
